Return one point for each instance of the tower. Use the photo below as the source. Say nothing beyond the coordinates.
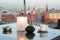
(46, 15)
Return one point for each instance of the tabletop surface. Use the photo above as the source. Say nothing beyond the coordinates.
(52, 33)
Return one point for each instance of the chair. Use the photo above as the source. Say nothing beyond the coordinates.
(58, 24)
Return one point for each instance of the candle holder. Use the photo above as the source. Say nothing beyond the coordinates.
(7, 30)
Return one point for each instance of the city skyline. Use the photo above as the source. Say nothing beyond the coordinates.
(9, 4)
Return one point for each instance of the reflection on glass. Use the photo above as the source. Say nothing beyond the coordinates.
(21, 36)
(43, 35)
(30, 36)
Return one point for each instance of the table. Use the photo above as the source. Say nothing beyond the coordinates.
(15, 35)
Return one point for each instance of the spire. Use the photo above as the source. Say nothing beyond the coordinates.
(46, 8)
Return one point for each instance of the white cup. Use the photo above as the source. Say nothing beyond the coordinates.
(43, 27)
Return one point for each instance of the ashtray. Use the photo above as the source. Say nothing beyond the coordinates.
(7, 30)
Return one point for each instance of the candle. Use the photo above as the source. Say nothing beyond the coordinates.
(43, 27)
(22, 23)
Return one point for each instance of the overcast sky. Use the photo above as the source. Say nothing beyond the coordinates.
(31, 3)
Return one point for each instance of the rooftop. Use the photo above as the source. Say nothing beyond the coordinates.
(54, 11)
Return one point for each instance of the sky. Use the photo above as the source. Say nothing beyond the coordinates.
(9, 4)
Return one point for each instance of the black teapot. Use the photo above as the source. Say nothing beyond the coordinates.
(7, 30)
(29, 29)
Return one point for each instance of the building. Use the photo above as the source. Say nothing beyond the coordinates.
(52, 15)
